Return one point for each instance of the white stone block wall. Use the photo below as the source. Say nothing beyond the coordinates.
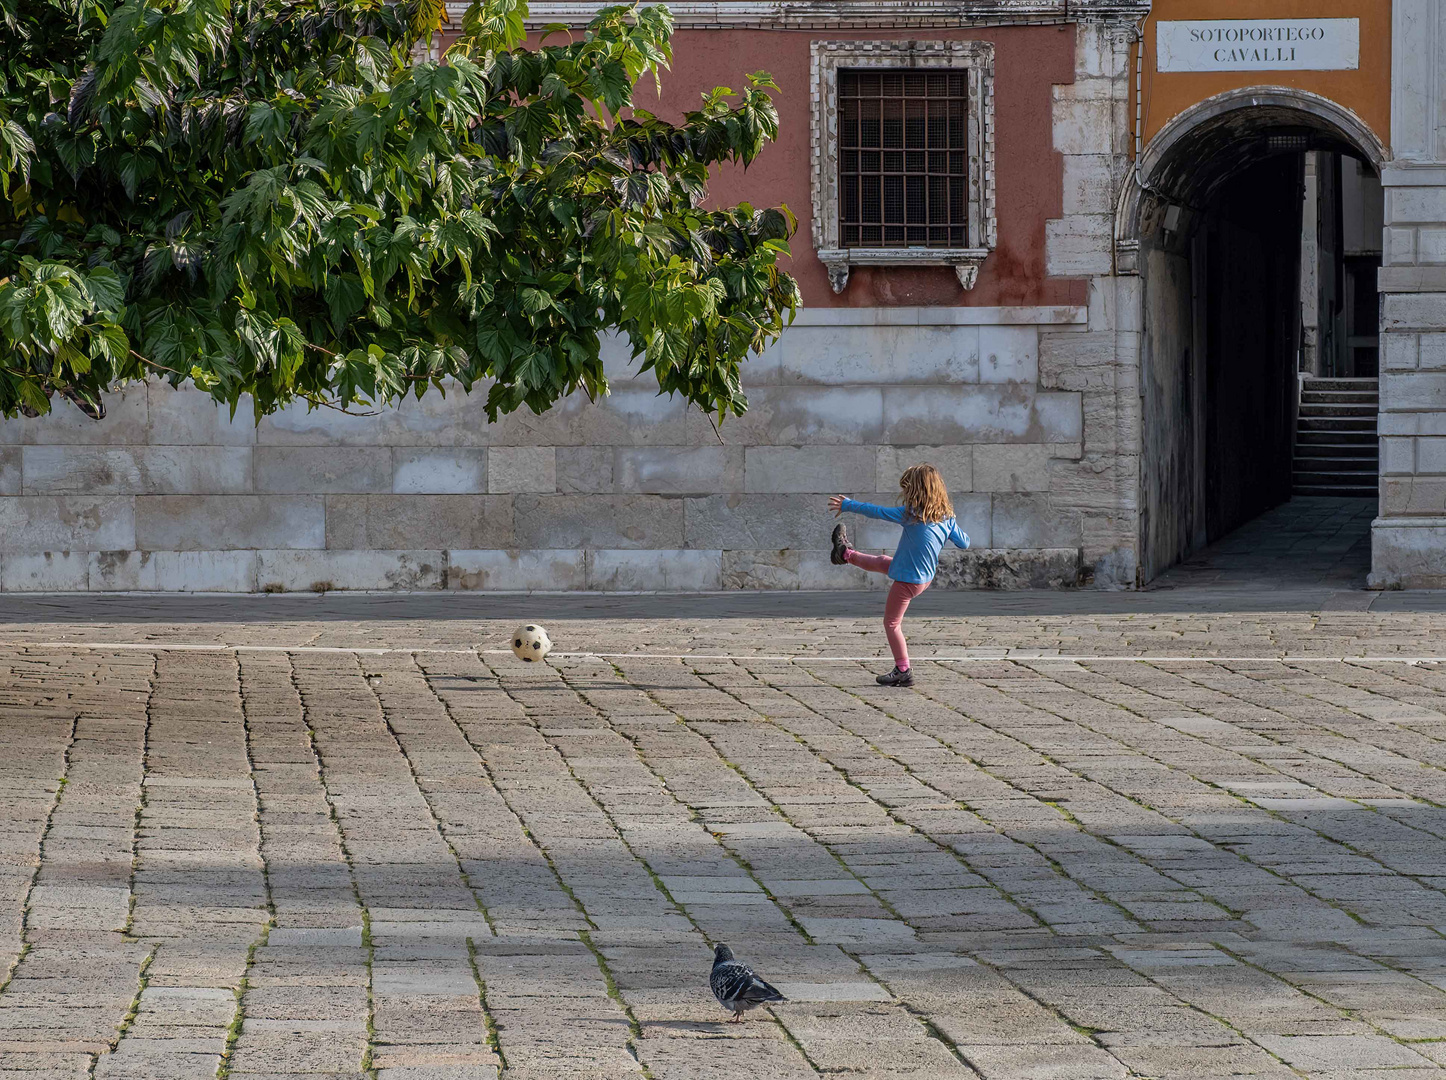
(633, 493)
(1409, 537)
(1100, 485)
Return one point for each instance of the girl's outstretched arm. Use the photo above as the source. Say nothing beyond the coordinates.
(840, 504)
(958, 537)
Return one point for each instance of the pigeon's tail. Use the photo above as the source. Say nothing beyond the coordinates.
(761, 992)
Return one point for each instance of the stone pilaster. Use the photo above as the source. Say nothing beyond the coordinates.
(1409, 536)
(1092, 131)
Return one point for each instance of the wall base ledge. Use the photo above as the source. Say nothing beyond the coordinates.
(1408, 553)
(578, 570)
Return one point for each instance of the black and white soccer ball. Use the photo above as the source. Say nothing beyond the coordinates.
(531, 642)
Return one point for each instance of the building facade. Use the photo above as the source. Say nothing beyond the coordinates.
(1057, 247)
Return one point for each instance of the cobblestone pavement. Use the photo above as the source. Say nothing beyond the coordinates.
(344, 837)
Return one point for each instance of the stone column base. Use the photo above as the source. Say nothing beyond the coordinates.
(1408, 553)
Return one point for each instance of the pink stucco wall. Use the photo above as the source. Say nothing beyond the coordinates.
(1028, 60)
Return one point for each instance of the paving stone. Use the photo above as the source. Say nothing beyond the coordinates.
(834, 991)
(1341, 1051)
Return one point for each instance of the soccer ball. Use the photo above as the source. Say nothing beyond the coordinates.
(530, 643)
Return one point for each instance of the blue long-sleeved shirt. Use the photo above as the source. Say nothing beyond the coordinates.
(917, 558)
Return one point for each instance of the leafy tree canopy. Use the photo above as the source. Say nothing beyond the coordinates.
(274, 198)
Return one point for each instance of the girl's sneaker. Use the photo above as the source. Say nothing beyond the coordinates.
(897, 678)
(840, 545)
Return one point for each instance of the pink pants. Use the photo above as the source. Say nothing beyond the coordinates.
(900, 593)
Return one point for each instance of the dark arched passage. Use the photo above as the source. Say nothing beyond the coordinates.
(1213, 223)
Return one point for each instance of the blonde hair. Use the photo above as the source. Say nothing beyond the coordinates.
(925, 496)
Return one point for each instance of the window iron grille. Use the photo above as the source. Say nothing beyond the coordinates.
(903, 158)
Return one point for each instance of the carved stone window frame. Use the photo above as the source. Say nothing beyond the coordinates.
(974, 57)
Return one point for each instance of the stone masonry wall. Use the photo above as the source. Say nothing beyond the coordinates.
(634, 493)
(1101, 359)
(1032, 413)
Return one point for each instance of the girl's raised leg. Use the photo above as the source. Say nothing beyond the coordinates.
(876, 564)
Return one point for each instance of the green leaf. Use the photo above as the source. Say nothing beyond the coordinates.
(534, 300)
(345, 296)
(29, 393)
(109, 342)
(610, 84)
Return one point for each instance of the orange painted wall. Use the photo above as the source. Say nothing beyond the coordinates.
(1366, 91)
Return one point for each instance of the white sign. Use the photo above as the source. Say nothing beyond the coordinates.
(1259, 45)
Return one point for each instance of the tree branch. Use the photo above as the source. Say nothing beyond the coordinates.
(338, 408)
(153, 364)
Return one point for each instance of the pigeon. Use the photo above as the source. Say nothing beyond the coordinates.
(736, 987)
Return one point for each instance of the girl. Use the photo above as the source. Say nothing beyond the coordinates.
(928, 521)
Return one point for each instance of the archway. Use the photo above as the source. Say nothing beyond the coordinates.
(1212, 222)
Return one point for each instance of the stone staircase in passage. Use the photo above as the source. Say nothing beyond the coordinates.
(1336, 449)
